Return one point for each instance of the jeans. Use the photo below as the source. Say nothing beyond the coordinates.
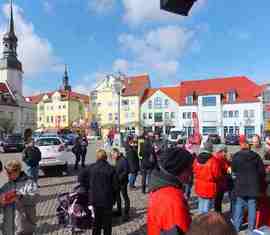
(205, 205)
(84, 152)
(124, 192)
(187, 190)
(33, 172)
(103, 220)
(241, 203)
(218, 201)
(132, 179)
(146, 178)
(77, 160)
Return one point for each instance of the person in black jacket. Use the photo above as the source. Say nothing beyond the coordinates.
(248, 169)
(77, 151)
(84, 145)
(133, 162)
(149, 160)
(101, 182)
(122, 171)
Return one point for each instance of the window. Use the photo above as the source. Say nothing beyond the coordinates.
(150, 116)
(110, 117)
(158, 117)
(11, 115)
(52, 119)
(41, 107)
(225, 114)
(172, 115)
(124, 102)
(230, 114)
(59, 107)
(52, 107)
(40, 119)
(184, 115)
(64, 118)
(132, 102)
(236, 113)
(209, 101)
(167, 116)
(209, 130)
(64, 106)
(144, 116)
(48, 119)
(158, 103)
(231, 97)
(189, 100)
(189, 115)
(251, 113)
(150, 104)
(245, 113)
(166, 103)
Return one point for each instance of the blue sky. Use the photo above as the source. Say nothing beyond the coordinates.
(97, 37)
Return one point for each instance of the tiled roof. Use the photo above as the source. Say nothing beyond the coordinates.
(135, 85)
(172, 92)
(246, 90)
(69, 95)
(3, 88)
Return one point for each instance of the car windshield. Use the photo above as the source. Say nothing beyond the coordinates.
(13, 139)
(48, 142)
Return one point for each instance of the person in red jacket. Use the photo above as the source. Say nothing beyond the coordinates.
(220, 155)
(168, 211)
(207, 174)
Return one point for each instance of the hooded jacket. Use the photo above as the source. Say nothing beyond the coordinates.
(249, 171)
(172, 215)
(20, 217)
(207, 174)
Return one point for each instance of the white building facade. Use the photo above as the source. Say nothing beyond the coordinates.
(13, 106)
(159, 109)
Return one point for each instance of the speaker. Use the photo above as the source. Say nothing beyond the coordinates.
(181, 7)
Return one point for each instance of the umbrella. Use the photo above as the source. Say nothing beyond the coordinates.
(181, 7)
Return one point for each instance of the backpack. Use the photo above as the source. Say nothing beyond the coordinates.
(31, 156)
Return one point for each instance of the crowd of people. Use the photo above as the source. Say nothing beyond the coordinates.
(168, 176)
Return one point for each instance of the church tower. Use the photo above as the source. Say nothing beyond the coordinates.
(66, 86)
(10, 67)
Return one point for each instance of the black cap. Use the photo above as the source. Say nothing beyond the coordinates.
(175, 160)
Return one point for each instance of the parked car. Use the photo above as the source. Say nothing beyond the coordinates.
(12, 143)
(54, 154)
(214, 138)
(232, 139)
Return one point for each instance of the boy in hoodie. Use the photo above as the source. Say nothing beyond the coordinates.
(249, 170)
(18, 198)
(168, 211)
(207, 174)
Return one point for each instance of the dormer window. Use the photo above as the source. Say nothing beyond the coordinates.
(189, 100)
(231, 97)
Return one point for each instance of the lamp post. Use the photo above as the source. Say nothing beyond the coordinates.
(118, 85)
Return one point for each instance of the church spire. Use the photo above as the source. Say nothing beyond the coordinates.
(66, 85)
(10, 41)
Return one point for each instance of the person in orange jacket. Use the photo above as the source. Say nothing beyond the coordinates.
(207, 173)
(168, 211)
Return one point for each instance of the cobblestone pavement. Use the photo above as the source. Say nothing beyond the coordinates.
(52, 186)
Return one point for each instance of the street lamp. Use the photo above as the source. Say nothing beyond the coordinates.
(118, 85)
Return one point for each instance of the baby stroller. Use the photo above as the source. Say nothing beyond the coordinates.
(73, 210)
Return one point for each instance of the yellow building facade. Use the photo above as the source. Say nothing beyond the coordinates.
(105, 103)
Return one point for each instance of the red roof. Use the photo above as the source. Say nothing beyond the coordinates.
(172, 92)
(246, 90)
(69, 95)
(136, 85)
(3, 88)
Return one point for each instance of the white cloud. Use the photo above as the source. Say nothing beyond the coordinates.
(101, 6)
(158, 50)
(139, 11)
(48, 6)
(35, 53)
(121, 65)
(89, 82)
